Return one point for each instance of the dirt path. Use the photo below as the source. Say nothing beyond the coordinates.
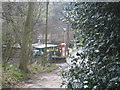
(44, 80)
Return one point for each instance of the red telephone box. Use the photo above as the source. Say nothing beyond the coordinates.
(63, 49)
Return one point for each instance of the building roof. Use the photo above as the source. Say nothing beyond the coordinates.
(37, 45)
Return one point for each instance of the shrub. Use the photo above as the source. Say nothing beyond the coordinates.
(99, 64)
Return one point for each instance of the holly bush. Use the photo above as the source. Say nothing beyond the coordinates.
(98, 66)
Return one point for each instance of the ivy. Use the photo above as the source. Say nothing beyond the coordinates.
(98, 25)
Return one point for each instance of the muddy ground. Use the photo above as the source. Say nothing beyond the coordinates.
(44, 80)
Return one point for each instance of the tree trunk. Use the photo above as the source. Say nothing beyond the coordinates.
(45, 52)
(25, 39)
(30, 48)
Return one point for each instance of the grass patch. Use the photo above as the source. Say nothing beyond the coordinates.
(12, 75)
(73, 51)
(50, 67)
(35, 68)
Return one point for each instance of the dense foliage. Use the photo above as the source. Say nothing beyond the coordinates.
(98, 27)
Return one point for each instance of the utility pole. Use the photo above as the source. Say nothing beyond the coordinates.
(47, 3)
(64, 39)
(68, 38)
(51, 37)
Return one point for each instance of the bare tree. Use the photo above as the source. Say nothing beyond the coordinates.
(46, 33)
(14, 16)
(25, 37)
(37, 19)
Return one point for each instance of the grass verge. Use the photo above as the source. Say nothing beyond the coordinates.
(12, 75)
(35, 68)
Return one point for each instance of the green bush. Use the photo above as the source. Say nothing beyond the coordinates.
(38, 54)
(99, 25)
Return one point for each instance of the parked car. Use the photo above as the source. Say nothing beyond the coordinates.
(35, 52)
